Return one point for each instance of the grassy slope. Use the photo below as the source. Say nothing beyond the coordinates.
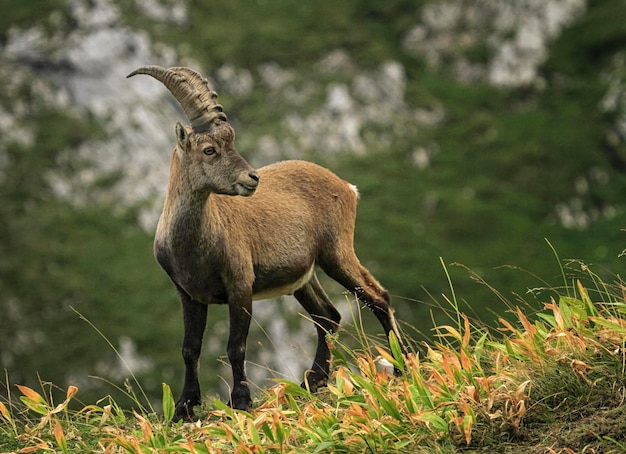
(550, 383)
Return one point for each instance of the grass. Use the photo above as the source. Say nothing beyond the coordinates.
(552, 381)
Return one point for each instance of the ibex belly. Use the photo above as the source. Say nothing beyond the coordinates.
(285, 288)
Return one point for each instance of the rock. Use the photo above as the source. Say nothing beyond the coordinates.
(510, 38)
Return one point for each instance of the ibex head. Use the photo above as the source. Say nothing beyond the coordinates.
(206, 150)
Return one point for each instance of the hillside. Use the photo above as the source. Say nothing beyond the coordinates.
(474, 131)
(552, 383)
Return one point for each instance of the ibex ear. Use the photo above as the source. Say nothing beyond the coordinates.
(182, 137)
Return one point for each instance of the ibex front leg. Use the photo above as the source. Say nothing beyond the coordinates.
(240, 316)
(194, 316)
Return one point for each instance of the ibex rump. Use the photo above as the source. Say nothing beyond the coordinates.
(293, 216)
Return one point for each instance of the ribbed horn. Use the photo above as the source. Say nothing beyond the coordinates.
(192, 92)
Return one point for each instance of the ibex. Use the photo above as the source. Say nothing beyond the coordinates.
(292, 217)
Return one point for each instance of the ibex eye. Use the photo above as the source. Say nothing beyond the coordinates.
(209, 151)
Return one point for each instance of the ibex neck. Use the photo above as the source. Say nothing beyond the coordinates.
(185, 210)
(185, 237)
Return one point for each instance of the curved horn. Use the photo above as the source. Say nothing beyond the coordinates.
(192, 92)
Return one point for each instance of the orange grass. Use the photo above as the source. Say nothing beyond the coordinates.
(468, 388)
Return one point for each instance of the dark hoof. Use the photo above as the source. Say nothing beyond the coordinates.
(240, 399)
(245, 406)
(184, 411)
(313, 382)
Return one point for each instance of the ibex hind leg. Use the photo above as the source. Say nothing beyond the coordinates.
(326, 318)
(384, 312)
(360, 281)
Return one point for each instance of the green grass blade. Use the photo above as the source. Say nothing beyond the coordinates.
(168, 403)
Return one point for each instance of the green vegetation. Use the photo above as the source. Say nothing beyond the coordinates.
(26, 13)
(501, 163)
(504, 161)
(54, 257)
(289, 32)
(553, 382)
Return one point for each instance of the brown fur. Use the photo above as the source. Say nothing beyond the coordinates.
(291, 217)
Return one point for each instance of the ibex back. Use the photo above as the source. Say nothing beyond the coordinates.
(292, 217)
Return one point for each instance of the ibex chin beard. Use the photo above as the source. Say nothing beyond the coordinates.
(245, 190)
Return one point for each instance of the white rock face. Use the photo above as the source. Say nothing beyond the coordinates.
(614, 99)
(367, 113)
(512, 36)
(85, 72)
(87, 69)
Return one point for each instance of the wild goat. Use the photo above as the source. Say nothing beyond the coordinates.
(292, 217)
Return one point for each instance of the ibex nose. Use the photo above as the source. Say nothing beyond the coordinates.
(254, 176)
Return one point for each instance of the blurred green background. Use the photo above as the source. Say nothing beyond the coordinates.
(500, 169)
